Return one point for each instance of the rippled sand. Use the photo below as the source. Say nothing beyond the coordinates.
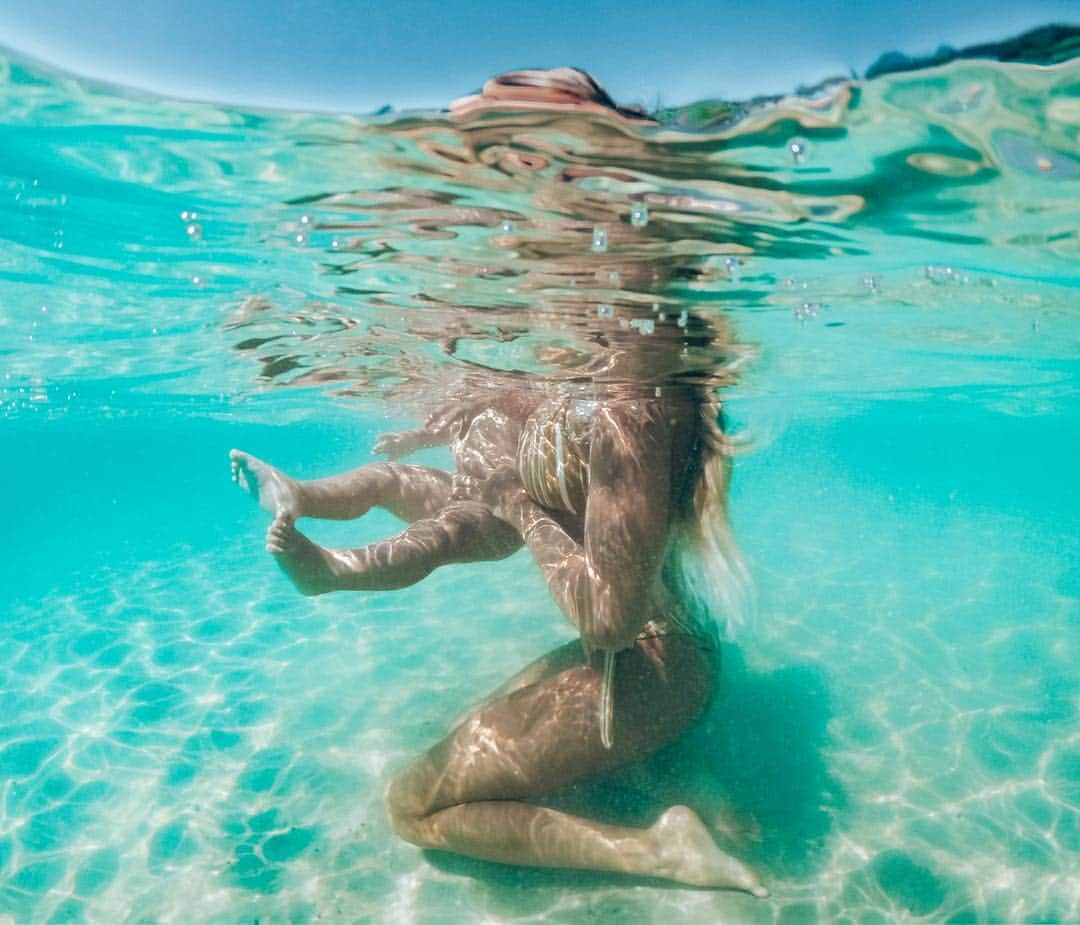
(898, 740)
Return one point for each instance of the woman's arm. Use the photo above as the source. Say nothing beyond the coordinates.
(560, 556)
(627, 517)
(604, 584)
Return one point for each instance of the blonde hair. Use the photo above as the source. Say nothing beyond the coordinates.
(704, 567)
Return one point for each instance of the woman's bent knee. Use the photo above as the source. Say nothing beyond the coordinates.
(404, 809)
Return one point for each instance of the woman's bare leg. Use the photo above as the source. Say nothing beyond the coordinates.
(467, 794)
(547, 666)
(463, 531)
(410, 492)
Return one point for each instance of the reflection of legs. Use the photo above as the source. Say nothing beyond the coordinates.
(467, 794)
(410, 492)
(463, 531)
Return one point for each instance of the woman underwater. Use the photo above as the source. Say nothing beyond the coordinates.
(615, 479)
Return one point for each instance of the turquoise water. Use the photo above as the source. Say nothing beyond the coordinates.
(183, 737)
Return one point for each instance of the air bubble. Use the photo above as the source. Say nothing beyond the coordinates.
(807, 310)
(194, 231)
(684, 317)
(507, 227)
(335, 244)
(305, 220)
(639, 215)
(643, 325)
(798, 148)
(300, 238)
(599, 240)
(871, 282)
(188, 216)
(605, 311)
(940, 274)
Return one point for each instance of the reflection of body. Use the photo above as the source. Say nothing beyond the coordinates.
(607, 566)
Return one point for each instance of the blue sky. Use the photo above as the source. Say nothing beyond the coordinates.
(358, 55)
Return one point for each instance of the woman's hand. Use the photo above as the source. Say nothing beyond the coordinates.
(499, 489)
(608, 636)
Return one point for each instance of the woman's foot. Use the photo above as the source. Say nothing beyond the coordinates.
(308, 565)
(276, 493)
(688, 854)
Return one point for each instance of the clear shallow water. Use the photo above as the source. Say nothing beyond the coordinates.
(897, 738)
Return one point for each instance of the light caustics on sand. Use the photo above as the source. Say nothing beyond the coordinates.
(896, 255)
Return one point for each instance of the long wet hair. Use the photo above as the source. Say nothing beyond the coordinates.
(703, 567)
